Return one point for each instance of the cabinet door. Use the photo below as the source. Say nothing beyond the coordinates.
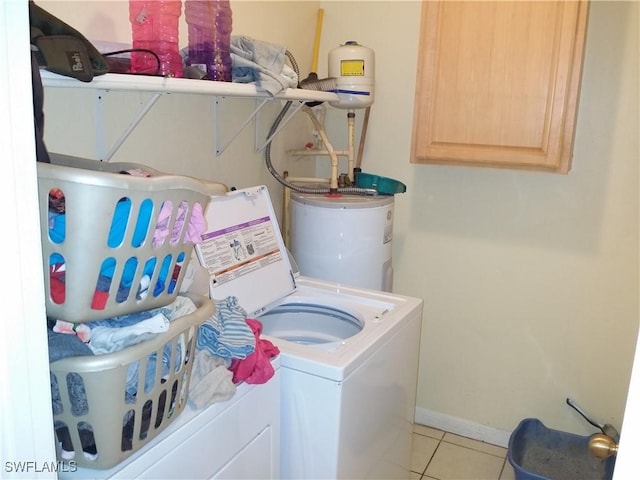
(498, 83)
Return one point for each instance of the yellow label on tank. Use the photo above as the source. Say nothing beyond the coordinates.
(352, 68)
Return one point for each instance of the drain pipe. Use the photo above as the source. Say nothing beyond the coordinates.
(351, 158)
(333, 181)
(363, 136)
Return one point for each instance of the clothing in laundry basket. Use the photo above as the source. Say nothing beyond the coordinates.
(196, 225)
(68, 344)
(62, 345)
(122, 331)
(106, 339)
(113, 334)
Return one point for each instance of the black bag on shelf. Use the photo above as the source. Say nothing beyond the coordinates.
(62, 49)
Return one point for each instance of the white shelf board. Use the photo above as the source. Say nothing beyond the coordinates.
(125, 82)
(157, 86)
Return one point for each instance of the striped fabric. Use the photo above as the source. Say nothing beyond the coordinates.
(226, 334)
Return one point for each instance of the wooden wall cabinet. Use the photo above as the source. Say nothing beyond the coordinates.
(498, 83)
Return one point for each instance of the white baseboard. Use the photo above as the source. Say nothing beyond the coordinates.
(462, 427)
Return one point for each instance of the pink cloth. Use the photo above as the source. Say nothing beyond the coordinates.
(256, 368)
(195, 228)
(197, 225)
(82, 331)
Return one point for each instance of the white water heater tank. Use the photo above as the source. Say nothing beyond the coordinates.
(344, 239)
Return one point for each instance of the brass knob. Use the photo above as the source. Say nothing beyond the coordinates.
(602, 446)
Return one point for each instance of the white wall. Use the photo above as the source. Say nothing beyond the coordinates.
(530, 280)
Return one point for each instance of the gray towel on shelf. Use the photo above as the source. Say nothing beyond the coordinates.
(261, 62)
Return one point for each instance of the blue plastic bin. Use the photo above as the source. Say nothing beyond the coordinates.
(540, 453)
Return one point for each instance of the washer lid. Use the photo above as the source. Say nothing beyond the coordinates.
(244, 252)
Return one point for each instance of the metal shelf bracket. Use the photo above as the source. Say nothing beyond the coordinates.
(101, 147)
(261, 146)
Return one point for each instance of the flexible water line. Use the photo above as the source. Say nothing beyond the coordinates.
(334, 160)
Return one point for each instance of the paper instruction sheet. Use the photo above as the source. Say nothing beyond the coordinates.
(235, 251)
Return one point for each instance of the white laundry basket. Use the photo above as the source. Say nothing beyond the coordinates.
(99, 257)
(106, 407)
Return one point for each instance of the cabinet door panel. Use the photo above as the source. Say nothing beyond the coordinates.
(498, 83)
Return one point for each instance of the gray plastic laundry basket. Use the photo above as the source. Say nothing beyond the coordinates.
(98, 227)
(106, 407)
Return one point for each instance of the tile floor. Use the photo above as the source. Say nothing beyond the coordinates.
(439, 455)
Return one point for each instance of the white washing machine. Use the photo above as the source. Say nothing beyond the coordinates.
(349, 356)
